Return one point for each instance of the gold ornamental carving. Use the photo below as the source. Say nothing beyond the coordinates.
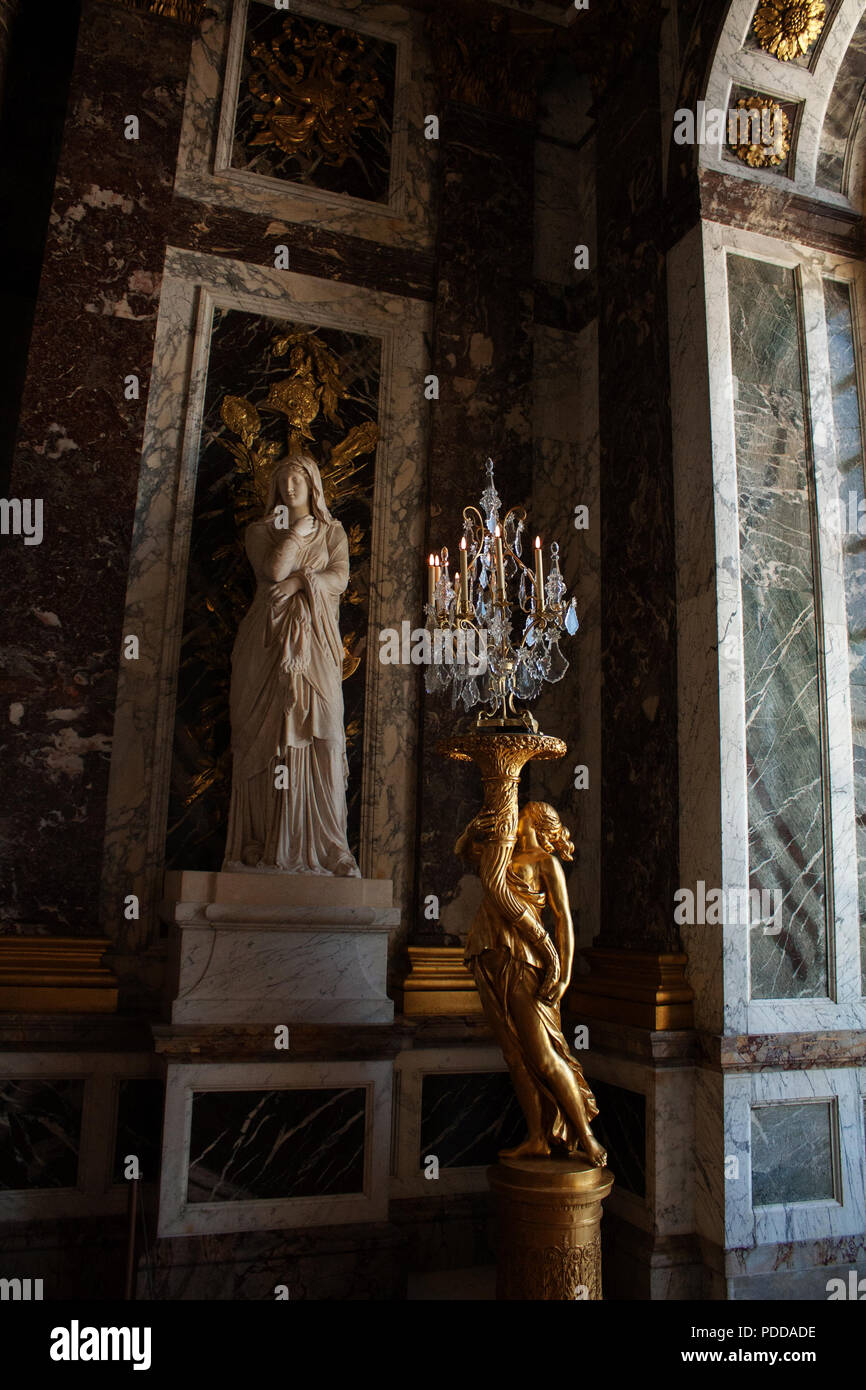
(550, 1213)
(768, 141)
(313, 388)
(320, 89)
(788, 28)
(520, 972)
(491, 59)
(185, 11)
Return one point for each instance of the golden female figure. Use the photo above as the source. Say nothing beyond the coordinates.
(521, 976)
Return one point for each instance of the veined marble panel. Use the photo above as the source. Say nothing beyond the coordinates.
(784, 718)
(60, 1129)
(294, 1142)
(204, 159)
(850, 495)
(285, 1157)
(565, 475)
(796, 1180)
(417, 1117)
(193, 286)
(840, 1006)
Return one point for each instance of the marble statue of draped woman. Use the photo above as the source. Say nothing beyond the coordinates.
(289, 768)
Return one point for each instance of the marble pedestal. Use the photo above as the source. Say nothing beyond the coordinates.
(549, 1227)
(278, 948)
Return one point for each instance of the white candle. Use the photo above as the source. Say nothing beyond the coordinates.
(539, 577)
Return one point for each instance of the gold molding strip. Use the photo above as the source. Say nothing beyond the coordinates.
(185, 11)
(644, 989)
(439, 983)
(55, 974)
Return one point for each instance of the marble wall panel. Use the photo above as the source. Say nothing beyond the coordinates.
(565, 450)
(140, 1102)
(40, 1132)
(59, 1134)
(466, 1118)
(784, 750)
(851, 498)
(77, 444)
(246, 1145)
(482, 356)
(269, 1145)
(195, 286)
(639, 826)
(842, 111)
(792, 1153)
(205, 170)
(621, 1126)
(798, 1139)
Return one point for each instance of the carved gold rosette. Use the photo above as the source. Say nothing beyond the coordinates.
(774, 137)
(549, 1238)
(787, 28)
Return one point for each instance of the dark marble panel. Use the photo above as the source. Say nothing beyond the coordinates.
(341, 1264)
(140, 1102)
(639, 797)
(841, 110)
(78, 449)
(483, 356)
(245, 361)
(792, 1153)
(40, 1133)
(852, 520)
(467, 1117)
(306, 64)
(246, 1145)
(783, 708)
(313, 250)
(621, 1127)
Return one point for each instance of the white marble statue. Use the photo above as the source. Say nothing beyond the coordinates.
(288, 805)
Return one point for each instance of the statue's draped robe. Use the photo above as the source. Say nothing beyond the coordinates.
(501, 957)
(287, 709)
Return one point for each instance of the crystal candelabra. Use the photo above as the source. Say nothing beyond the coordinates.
(474, 613)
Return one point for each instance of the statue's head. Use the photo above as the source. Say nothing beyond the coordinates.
(298, 462)
(550, 832)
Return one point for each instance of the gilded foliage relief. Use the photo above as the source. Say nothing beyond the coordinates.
(271, 384)
(316, 105)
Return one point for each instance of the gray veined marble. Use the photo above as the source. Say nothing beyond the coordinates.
(784, 752)
(792, 1153)
(852, 521)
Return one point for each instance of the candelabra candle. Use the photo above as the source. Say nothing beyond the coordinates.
(431, 582)
(500, 566)
(539, 578)
(464, 577)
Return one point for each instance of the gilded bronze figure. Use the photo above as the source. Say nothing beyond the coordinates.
(520, 974)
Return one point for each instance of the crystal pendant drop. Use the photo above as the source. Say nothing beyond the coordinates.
(557, 663)
(524, 685)
(521, 592)
(469, 694)
(572, 623)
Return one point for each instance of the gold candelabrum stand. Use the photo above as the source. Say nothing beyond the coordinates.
(550, 1189)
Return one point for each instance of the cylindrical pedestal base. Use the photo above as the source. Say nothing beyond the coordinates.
(549, 1219)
